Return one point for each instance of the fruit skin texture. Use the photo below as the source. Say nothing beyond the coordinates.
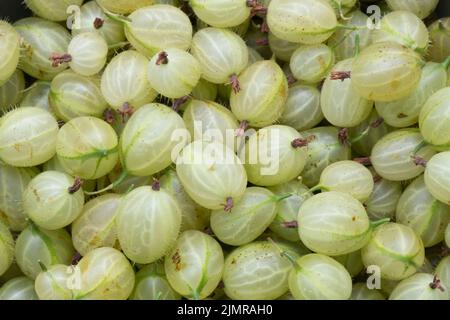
(87, 147)
(260, 102)
(440, 40)
(6, 248)
(333, 223)
(123, 6)
(20, 288)
(434, 122)
(27, 137)
(195, 265)
(421, 8)
(436, 178)
(54, 10)
(9, 51)
(144, 30)
(148, 144)
(417, 287)
(303, 21)
(106, 274)
(148, 223)
(386, 71)
(48, 202)
(221, 13)
(316, 272)
(256, 271)
(396, 249)
(52, 283)
(211, 173)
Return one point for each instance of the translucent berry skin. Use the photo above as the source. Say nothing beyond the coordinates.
(311, 63)
(433, 119)
(323, 150)
(194, 217)
(41, 39)
(405, 112)
(27, 137)
(19, 288)
(105, 274)
(96, 225)
(148, 223)
(123, 6)
(421, 8)
(404, 28)
(443, 271)
(149, 133)
(270, 158)
(361, 292)
(386, 71)
(382, 203)
(333, 223)
(261, 102)
(35, 244)
(13, 182)
(124, 80)
(304, 21)
(6, 248)
(144, 30)
(177, 76)
(195, 265)
(11, 92)
(52, 284)
(436, 178)
(211, 174)
(89, 51)
(302, 110)
(37, 96)
(151, 284)
(53, 10)
(247, 220)
(72, 95)
(316, 272)
(87, 147)
(9, 51)
(221, 54)
(418, 209)
(48, 202)
(256, 271)
(440, 40)
(392, 155)
(418, 287)
(221, 13)
(396, 249)
(111, 30)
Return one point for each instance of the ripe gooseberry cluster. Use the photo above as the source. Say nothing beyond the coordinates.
(212, 149)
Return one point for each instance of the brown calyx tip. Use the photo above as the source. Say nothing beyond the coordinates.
(290, 224)
(264, 28)
(76, 258)
(156, 185)
(300, 142)
(290, 79)
(242, 127)
(256, 7)
(177, 103)
(436, 284)
(58, 59)
(126, 111)
(343, 136)
(378, 122)
(365, 161)
(262, 42)
(98, 23)
(228, 205)
(108, 116)
(163, 58)
(235, 83)
(61, 123)
(340, 75)
(77, 184)
(377, 178)
(419, 161)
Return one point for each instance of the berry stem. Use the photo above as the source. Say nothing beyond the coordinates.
(177, 103)
(285, 254)
(374, 224)
(119, 180)
(242, 127)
